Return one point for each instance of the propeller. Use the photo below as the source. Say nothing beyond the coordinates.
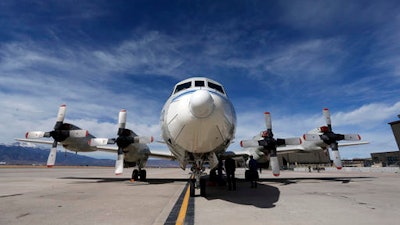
(122, 142)
(331, 139)
(270, 144)
(124, 139)
(60, 132)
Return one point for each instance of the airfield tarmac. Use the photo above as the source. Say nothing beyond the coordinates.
(87, 195)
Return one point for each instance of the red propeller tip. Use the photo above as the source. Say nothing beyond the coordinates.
(26, 135)
(359, 137)
(123, 110)
(63, 105)
(241, 144)
(276, 174)
(326, 109)
(266, 113)
(50, 166)
(118, 174)
(339, 168)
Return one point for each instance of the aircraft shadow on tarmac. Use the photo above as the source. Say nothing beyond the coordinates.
(288, 181)
(120, 179)
(264, 196)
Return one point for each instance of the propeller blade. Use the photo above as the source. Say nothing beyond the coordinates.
(249, 143)
(119, 163)
(52, 155)
(275, 165)
(327, 116)
(336, 156)
(268, 122)
(78, 133)
(122, 119)
(336, 159)
(98, 141)
(60, 116)
(352, 137)
(143, 139)
(35, 134)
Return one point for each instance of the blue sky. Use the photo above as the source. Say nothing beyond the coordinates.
(291, 58)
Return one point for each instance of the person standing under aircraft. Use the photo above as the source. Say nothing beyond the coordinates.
(220, 168)
(253, 167)
(230, 167)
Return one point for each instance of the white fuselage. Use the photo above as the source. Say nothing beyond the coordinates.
(198, 121)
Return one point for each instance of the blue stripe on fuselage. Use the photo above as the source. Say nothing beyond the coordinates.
(193, 90)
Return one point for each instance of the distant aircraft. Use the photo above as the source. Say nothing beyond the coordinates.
(264, 146)
(198, 123)
(75, 139)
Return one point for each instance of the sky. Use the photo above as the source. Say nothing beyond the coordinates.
(292, 58)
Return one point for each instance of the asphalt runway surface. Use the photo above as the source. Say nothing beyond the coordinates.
(88, 195)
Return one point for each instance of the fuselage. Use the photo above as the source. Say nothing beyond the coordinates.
(198, 121)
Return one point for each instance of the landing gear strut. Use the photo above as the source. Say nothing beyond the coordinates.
(198, 180)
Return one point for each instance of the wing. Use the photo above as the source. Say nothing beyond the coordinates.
(344, 144)
(35, 141)
(161, 154)
(154, 154)
(309, 147)
(291, 149)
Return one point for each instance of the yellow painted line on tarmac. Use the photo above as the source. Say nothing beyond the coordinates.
(182, 212)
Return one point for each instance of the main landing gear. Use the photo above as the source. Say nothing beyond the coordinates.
(139, 175)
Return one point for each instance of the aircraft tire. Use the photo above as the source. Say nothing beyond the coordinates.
(135, 174)
(203, 182)
(192, 188)
(142, 175)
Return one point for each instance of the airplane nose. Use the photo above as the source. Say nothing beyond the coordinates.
(201, 104)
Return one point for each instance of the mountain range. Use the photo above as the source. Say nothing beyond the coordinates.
(21, 154)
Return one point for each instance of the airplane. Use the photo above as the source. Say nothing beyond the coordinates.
(198, 123)
(265, 148)
(132, 150)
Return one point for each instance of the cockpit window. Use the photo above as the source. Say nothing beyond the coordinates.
(183, 86)
(216, 87)
(199, 83)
